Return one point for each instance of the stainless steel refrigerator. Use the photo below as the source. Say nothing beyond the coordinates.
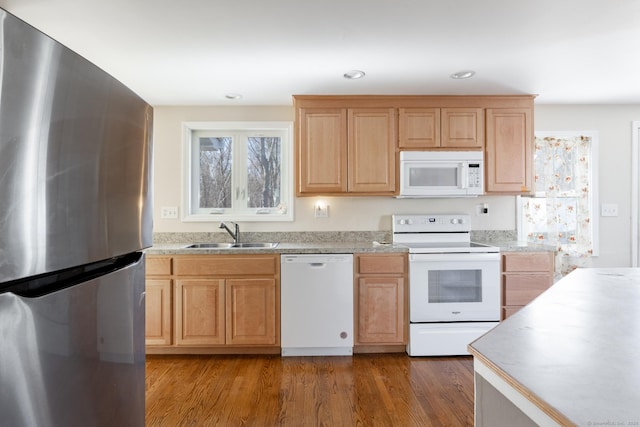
(75, 214)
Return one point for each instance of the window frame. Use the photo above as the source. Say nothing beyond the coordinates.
(252, 215)
(593, 180)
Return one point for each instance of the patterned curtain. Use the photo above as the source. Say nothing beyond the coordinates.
(560, 213)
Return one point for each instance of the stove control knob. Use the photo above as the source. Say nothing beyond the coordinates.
(457, 221)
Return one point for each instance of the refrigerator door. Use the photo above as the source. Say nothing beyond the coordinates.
(75, 158)
(75, 357)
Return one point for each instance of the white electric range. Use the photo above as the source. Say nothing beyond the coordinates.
(454, 283)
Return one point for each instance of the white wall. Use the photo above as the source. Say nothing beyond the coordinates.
(613, 122)
(345, 213)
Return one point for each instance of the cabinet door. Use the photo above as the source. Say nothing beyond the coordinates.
(381, 310)
(371, 150)
(158, 312)
(462, 128)
(199, 317)
(509, 155)
(419, 127)
(321, 165)
(251, 311)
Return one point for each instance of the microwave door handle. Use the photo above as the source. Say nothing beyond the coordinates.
(463, 176)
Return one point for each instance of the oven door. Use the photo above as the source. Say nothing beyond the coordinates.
(454, 287)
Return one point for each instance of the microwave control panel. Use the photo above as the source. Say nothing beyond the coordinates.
(475, 175)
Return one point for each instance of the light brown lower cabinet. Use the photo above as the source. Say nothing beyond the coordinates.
(525, 275)
(200, 312)
(219, 302)
(158, 300)
(380, 301)
(158, 312)
(251, 312)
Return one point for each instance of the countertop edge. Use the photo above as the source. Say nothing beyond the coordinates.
(322, 248)
(573, 328)
(519, 388)
(282, 248)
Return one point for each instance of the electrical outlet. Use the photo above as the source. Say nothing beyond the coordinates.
(609, 209)
(482, 209)
(169, 212)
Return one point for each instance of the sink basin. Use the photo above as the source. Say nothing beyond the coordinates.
(241, 245)
(255, 245)
(210, 246)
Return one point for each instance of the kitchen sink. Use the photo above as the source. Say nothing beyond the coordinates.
(246, 245)
(254, 245)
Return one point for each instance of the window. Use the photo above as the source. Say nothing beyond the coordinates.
(563, 211)
(238, 171)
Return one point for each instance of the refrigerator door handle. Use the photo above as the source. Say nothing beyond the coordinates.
(50, 283)
(142, 298)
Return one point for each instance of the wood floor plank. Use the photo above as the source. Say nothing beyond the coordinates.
(269, 390)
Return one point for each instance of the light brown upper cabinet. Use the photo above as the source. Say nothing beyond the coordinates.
(433, 128)
(418, 128)
(346, 151)
(371, 150)
(347, 144)
(321, 145)
(462, 128)
(509, 151)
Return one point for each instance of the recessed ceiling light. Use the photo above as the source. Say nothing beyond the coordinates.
(354, 74)
(463, 74)
(233, 96)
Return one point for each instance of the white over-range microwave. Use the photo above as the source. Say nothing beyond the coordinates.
(441, 173)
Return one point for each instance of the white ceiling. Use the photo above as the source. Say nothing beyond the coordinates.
(193, 52)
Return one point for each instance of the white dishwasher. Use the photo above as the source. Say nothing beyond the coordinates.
(316, 305)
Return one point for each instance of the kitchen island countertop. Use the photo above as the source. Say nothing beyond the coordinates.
(572, 355)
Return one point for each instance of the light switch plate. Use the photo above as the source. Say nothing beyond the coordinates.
(609, 209)
(321, 211)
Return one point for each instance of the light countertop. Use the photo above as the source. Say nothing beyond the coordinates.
(318, 242)
(575, 350)
(181, 248)
(282, 248)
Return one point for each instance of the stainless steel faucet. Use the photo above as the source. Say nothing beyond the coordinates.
(236, 235)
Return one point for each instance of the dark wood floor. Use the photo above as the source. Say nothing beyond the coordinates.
(363, 390)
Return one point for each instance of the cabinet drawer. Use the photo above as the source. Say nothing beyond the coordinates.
(158, 265)
(381, 264)
(527, 261)
(215, 265)
(522, 289)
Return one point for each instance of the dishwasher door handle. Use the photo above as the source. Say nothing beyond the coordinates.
(317, 264)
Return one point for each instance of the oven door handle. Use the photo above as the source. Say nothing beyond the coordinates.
(453, 257)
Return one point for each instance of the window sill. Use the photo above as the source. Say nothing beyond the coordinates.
(239, 217)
